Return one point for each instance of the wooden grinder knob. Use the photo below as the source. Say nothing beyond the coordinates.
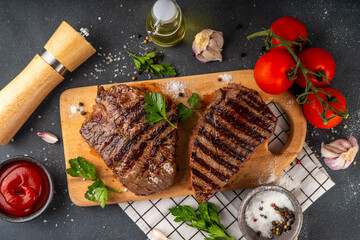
(19, 99)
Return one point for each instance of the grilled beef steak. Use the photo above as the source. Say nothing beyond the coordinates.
(140, 155)
(233, 125)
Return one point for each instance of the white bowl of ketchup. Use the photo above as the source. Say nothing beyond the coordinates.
(26, 189)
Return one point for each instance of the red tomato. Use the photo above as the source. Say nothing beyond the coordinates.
(290, 29)
(270, 72)
(316, 59)
(311, 109)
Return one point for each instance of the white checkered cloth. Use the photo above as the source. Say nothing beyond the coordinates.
(307, 181)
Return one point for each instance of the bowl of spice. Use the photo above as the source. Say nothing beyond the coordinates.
(26, 189)
(270, 212)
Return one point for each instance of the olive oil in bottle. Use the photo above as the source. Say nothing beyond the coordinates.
(165, 23)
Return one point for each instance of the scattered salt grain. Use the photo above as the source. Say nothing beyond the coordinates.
(264, 200)
(99, 18)
(45, 221)
(226, 77)
(174, 88)
(125, 189)
(75, 109)
(39, 116)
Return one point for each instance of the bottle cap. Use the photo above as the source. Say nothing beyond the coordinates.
(164, 10)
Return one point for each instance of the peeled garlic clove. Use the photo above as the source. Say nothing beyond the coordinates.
(340, 153)
(48, 137)
(207, 45)
(159, 235)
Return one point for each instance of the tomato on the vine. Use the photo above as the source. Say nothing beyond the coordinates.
(290, 29)
(271, 70)
(311, 109)
(315, 60)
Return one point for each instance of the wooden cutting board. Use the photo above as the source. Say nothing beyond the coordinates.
(255, 170)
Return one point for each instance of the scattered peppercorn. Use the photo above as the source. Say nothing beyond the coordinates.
(83, 113)
(258, 233)
(263, 48)
(298, 161)
(153, 49)
(139, 72)
(147, 70)
(181, 94)
(147, 37)
(242, 54)
(138, 35)
(292, 164)
(317, 155)
(261, 208)
(161, 55)
(150, 40)
(145, 41)
(255, 219)
(133, 78)
(219, 79)
(81, 104)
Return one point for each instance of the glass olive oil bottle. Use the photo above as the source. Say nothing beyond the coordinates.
(165, 23)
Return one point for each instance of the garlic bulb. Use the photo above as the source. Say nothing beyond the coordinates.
(48, 137)
(340, 153)
(207, 45)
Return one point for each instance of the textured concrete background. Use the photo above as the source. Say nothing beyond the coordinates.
(25, 27)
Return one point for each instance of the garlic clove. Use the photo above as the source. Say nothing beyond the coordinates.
(207, 45)
(352, 140)
(48, 137)
(329, 152)
(341, 144)
(159, 235)
(334, 163)
(340, 153)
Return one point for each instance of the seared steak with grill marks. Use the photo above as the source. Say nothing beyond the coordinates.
(140, 155)
(233, 125)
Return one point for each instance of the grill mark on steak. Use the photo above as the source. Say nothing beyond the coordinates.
(204, 178)
(222, 130)
(220, 145)
(253, 103)
(233, 125)
(158, 142)
(219, 175)
(162, 128)
(227, 116)
(129, 163)
(214, 156)
(249, 116)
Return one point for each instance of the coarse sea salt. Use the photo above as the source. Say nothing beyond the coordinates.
(174, 88)
(264, 200)
(75, 109)
(226, 77)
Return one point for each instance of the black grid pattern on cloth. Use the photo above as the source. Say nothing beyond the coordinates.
(228, 202)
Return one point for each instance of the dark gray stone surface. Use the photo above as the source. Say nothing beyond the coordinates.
(26, 26)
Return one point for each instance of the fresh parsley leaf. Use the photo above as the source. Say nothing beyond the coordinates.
(155, 105)
(184, 112)
(147, 62)
(205, 218)
(79, 167)
(97, 192)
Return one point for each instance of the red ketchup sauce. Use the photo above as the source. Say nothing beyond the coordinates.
(24, 188)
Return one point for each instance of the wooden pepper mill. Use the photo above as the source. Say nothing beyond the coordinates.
(66, 50)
